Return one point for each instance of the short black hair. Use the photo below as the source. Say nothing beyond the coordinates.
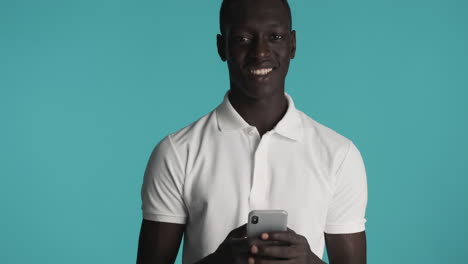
(223, 13)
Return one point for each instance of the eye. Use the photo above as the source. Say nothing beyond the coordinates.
(276, 37)
(241, 39)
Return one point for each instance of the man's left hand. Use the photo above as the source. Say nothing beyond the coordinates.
(290, 248)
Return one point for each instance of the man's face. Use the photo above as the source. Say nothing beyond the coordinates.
(257, 45)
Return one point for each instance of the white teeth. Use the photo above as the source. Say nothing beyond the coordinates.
(261, 71)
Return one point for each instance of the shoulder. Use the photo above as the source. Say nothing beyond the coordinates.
(195, 130)
(175, 148)
(191, 134)
(322, 134)
(325, 143)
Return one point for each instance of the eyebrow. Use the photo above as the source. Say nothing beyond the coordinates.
(272, 25)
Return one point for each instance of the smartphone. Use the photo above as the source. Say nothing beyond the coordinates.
(261, 221)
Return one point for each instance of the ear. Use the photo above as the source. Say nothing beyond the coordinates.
(221, 47)
(293, 44)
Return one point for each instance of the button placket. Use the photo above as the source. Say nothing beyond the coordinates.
(253, 140)
(259, 177)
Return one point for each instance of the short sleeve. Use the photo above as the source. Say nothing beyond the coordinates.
(346, 211)
(162, 190)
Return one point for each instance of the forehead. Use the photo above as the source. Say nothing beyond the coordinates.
(257, 12)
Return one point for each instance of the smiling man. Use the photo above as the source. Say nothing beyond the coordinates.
(254, 151)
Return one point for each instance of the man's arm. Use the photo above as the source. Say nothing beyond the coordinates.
(346, 248)
(159, 242)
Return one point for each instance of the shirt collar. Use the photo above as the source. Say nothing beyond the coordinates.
(289, 126)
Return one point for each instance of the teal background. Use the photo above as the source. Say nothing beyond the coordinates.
(88, 88)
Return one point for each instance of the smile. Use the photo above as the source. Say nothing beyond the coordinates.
(260, 72)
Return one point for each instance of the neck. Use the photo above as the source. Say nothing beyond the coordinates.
(263, 113)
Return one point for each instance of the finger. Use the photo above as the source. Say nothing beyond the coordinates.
(282, 252)
(235, 245)
(287, 237)
(245, 245)
(264, 236)
(282, 243)
(255, 244)
(259, 260)
(267, 242)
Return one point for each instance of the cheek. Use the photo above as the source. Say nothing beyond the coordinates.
(236, 60)
(284, 57)
(284, 53)
(233, 66)
(233, 50)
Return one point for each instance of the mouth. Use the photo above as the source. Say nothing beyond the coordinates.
(260, 71)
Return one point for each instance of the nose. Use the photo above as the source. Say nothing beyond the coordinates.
(260, 48)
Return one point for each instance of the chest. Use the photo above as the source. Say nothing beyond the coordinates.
(243, 175)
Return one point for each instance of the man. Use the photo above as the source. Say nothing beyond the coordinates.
(254, 151)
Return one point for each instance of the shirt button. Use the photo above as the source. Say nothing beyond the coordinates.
(251, 131)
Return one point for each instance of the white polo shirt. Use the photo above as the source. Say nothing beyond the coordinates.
(212, 173)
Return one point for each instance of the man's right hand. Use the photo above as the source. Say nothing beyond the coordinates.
(235, 249)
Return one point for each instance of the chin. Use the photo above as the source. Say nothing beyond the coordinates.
(260, 92)
(257, 90)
